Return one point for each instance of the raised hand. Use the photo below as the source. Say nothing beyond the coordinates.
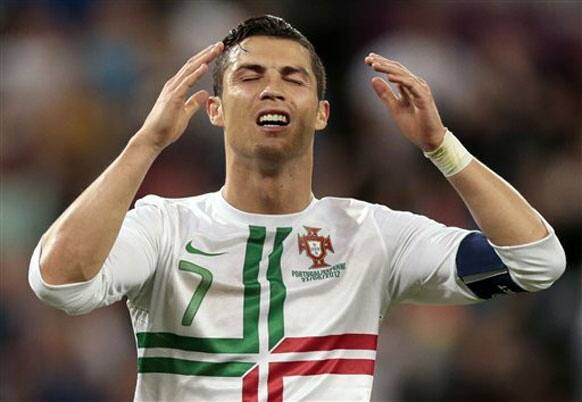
(173, 109)
(414, 109)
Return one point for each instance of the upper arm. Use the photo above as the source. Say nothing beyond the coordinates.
(433, 263)
(130, 264)
(422, 266)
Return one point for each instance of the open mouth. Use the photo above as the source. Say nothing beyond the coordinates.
(273, 119)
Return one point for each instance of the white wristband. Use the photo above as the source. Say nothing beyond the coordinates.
(451, 156)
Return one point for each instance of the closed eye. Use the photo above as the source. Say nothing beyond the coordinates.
(295, 81)
(252, 78)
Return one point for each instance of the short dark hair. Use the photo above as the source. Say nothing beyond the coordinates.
(267, 25)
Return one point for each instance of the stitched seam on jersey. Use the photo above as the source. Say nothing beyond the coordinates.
(145, 310)
(138, 317)
(386, 284)
(156, 243)
(434, 272)
(157, 246)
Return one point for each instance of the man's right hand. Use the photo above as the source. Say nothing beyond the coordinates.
(172, 111)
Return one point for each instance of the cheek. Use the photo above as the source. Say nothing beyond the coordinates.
(309, 116)
(231, 111)
(237, 105)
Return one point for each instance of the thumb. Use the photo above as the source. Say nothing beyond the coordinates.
(384, 92)
(195, 101)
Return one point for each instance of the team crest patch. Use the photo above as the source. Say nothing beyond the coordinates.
(315, 246)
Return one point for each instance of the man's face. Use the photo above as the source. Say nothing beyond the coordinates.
(269, 107)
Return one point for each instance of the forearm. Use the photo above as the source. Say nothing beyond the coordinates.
(499, 210)
(77, 244)
(521, 239)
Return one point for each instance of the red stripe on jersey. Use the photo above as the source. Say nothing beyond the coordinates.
(328, 342)
(278, 370)
(250, 392)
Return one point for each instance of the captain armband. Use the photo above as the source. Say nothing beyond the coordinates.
(451, 156)
(481, 270)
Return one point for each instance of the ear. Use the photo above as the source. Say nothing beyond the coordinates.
(214, 111)
(323, 110)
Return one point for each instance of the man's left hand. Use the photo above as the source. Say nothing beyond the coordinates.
(414, 109)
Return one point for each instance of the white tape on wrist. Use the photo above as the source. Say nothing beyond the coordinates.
(451, 156)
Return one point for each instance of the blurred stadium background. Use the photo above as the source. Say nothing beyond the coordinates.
(79, 77)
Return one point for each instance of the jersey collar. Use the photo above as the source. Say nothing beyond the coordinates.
(230, 213)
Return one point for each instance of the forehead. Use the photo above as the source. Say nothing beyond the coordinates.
(269, 52)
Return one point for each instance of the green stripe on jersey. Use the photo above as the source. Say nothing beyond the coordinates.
(191, 367)
(252, 292)
(195, 344)
(278, 291)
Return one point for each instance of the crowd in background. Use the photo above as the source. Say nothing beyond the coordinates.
(79, 77)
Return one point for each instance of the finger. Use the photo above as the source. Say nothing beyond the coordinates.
(189, 80)
(381, 64)
(196, 101)
(377, 57)
(410, 83)
(389, 68)
(206, 50)
(204, 56)
(384, 65)
(384, 92)
(189, 64)
(208, 54)
(405, 95)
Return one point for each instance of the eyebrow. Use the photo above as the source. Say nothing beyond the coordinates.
(253, 67)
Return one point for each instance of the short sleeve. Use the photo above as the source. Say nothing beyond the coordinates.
(537, 265)
(421, 259)
(130, 264)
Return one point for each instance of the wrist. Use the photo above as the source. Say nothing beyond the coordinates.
(142, 143)
(450, 157)
(432, 145)
(147, 139)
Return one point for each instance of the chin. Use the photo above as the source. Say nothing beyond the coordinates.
(272, 153)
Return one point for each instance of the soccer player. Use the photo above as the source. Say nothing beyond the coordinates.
(260, 291)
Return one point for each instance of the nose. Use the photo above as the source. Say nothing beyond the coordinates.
(272, 92)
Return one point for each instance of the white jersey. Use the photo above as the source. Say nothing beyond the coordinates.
(228, 305)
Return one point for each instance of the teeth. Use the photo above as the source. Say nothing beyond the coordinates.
(273, 118)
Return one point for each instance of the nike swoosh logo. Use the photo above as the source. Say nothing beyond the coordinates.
(193, 250)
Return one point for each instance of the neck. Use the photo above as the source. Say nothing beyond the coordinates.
(267, 187)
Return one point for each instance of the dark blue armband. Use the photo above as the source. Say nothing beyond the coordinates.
(481, 269)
